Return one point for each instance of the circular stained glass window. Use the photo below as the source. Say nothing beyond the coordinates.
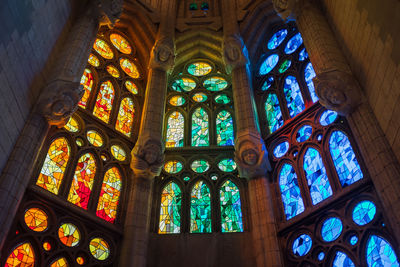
(267, 84)
(186, 178)
(113, 71)
(183, 85)
(199, 97)
(277, 39)
(104, 50)
(177, 101)
(353, 240)
(94, 138)
(99, 248)
(215, 84)
(327, 117)
(69, 234)
(227, 165)
(364, 212)
(72, 125)
(120, 43)
(173, 166)
(131, 87)
(93, 60)
(269, 64)
(302, 245)
(321, 256)
(118, 152)
(200, 166)
(293, 43)
(281, 149)
(303, 133)
(222, 99)
(284, 66)
(80, 260)
(129, 68)
(199, 68)
(331, 229)
(47, 246)
(36, 219)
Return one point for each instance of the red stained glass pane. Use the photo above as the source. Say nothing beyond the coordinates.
(21, 256)
(109, 195)
(87, 82)
(125, 116)
(104, 101)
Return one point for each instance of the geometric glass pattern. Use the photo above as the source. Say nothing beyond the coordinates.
(199, 97)
(281, 149)
(215, 84)
(227, 165)
(317, 178)
(175, 130)
(222, 99)
(118, 152)
(36, 219)
(132, 87)
(342, 260)
(303, 133)
(82, 182)
(109, 195)
(87, 82)
(200, 209)
(293, 43)
(69, 234)
(72, 125)
(129, 68)
(104, 102)
(173, 166)
(303, 55)
(290, 192)
(199, 69)
(200, 166)
(277, 39)
(99, 248)
(60, 262)
(293, 96)
(170, 209)
(284, 66)
(224, 125)
(93, 60)
(331, 229)
(120, 43)
(364, 212)
(309, 74)
(125, 116)
(380, 252)
(273, 113)
(268, 64)
(200, 127)
(113, 71)
(302, 245)
(231, 212)
(327, 117)
(21, 256)
(54, 165)
(177, 101)
(94, 138)
(103, 49)
(343, 157)
(183, 85)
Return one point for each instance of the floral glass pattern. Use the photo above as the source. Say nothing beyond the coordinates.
(170, 209)
(109, 195)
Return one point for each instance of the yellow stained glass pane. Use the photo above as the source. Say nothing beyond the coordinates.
(69, 235)
(131, 87)
(104, 50)
(93, 60)
(109, 195)
(54, 165)
(199, 68)
(177, 100)
(118, 152)
(104, 101)
(72, 125)
(113, 71)
(21, 256)
(125, 116)
(87, 82)
(94, 138)
(99, 248)
(129, 68)
(36, 219)
(173, 166)
(120, 43)
(47, 246)
(61, 262)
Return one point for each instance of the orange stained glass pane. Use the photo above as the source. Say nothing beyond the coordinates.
(72, 125)
(21, 256)
(113, 71)
(54, 165)
(109, 195)
(94, 138)
(118, 152)
(104, 101)
(103, 49)
(80, 260)
(83, 181)
(93, 60)
(120, 43)
(87, 82)
(69, 234)
(47, 246)
(99, 248)
(125, 116)
(36, 219)
(131, 87)
(61, 262)
(129, 68)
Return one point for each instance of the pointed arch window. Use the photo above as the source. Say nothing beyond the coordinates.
(231, 211)
(273, 113)
(200, 134)
(170, 209)
(224, 125)
(294, 99)
(22, 255)
(109, 195)
(175, 130)
(87, 82)
(104, 101)
(125, 116)
(200, 208)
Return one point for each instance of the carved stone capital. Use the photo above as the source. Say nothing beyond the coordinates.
(285, 8)
(235, 52)
(59, 100)
(163, 54)
(147, 158)
(109, 11)
(338, 91)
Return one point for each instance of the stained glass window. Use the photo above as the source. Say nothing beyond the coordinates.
(380, 253)
(82, 182)
(60, 262)
(87, 82)
(47, 246)
(69, 234)
(129, 68)
(199, 97)
(269, 64)
(200, 209)
(267, 83)
(277, 39)
(309, 74)
(302, 245)
(224, 125)
(293, 96)
(36, 219)
(54, 165)
(104, 50)
(285, 66)
(222, 99)
(199, 68)
(200, 166)
(342, 260)
(215, 84)
(331, 229)
(290, 192)
(173, 166)
(118, 152)
(104, 101)
(120, 43)
(183, 85)
(72, 125)
(281, 149)
(125, 116)
(93, 60)
(364, 212)
(94, 138)
(231, 211)
(109, 195)
(132, 87)
(170, 209)
(177, 101)
(22, 255)
(273, 113)
(293, 43)
(99, 248)
(175, 130)
(327, 117)
(113, 71)
(304, 133)
(227, 165)
(200, 128)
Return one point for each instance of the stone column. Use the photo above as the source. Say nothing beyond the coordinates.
(250, 153)
(148, 153)
(57, 101)
(338, 90)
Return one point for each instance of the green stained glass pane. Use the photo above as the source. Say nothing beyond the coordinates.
(222, 99)
(183, 85)
(224, 125)
(231, 211)
(285, 65)
(273, 113)
(175, 130)
(200, 166)
(199, 68)
(173, 166)
(215, 84)
(227, 165)
(200, 136)
(170, 209)
(200, 209)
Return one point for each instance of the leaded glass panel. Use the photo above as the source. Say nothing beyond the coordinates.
(170, 209)
(200, 209)
(200, 133)
(231, 212)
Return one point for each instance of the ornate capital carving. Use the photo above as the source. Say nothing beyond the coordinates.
(235, 52)
(163, 54)
(147, 158)
(109, 11)
(285, 8)
(338, 91)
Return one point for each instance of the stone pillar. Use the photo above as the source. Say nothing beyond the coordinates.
(250, 153)
(148, 153)
(338, 90)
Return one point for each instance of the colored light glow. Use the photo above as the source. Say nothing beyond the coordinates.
(170, 209)
(303, 133)
(269, 64)
(309, 74)
(104, 50)
(129, 68)
(327, 117)
(118, 152)
(36, 219)
(47, 246)
(120, 43)
(125, 116)
(277, 39)
(94, 138)
(109, 195)
(175, 130)
(294, 99)
(69, 235)
(199, 68)
(293, 43)
(80, 260)
(290, 191)
(21, 256)
(173, 166)
(200, 209)
(281, 149)
(104, 101)
(285, 66)
(231, 211)
(131, 87)
(87, 82)
(273, 113)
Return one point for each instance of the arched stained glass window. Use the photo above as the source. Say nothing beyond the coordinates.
(170, 209)
(104, 101)
(342, 260)
(290, 191)
(231, 211)
(380, 253)
(22, 255)
(309, 74)
(54, 165)
(344, 159)
(294, 99)
(109, 195)
(273, 113)
(317, 179)
(224, 124)
(175, 130)
(125, 116)
(87, 82)
(82, 182)
(200, 208)
(200, 135)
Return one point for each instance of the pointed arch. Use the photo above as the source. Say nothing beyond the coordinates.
(231, 210)
(225, 131)
(294, 99)
(342, 259)
(170, 209)
(175, 130)
(273, 113)
(125, 117)
(379, 252)
(104, 101)
(309, 74)
(200, 127)
(200, 208)
(109, 195)
(22, 255)
(87, 82)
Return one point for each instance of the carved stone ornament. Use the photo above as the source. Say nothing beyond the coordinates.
(235, 53)
(285, 8)
(338, 91)
(147, 158)
(163, 54)
(59, 100)
(109, 11)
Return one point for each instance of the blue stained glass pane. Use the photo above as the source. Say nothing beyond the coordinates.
(327, 117)
(304, 133)
(342, 260)
(343, 157)
(294, 99)
(290, 191)
(364, 212)
(353, 240)
(321, 256)
(302, 245)
(267, 84)
(380, 253)
(277, 39)
(281, 149)
(331, 229)
(293, 43)
(268, 64)
(309, 74)
(303, 55)
(273, 112)
(317, 179)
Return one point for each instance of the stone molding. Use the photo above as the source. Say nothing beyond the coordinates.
(162, 55)
(147, 158)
